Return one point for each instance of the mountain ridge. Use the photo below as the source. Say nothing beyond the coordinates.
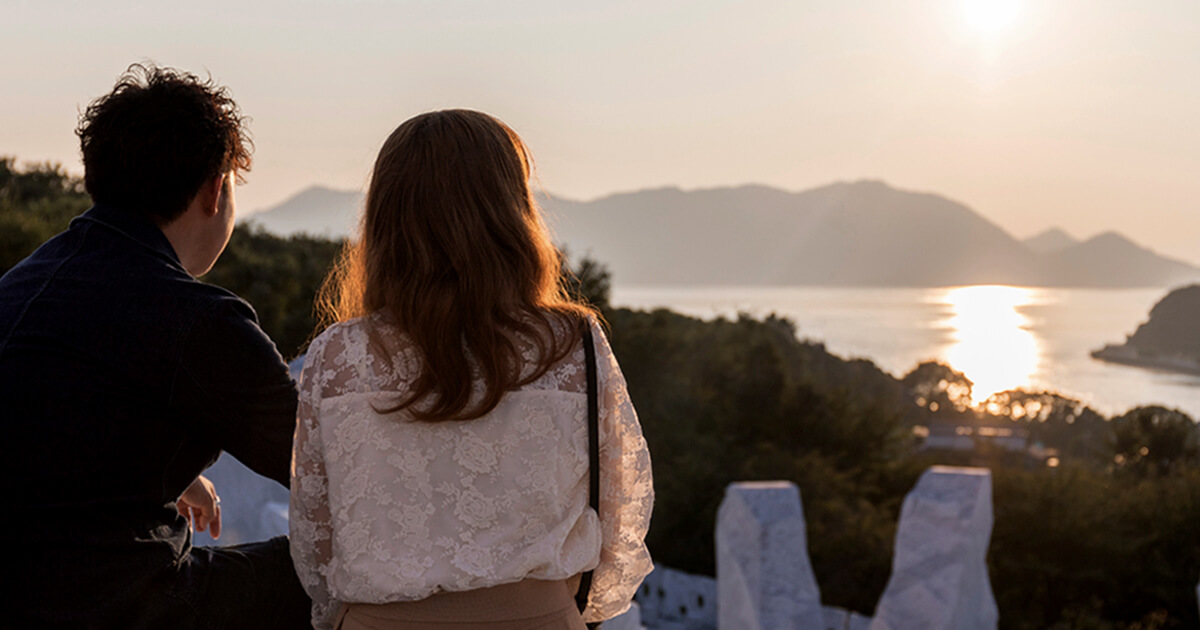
(1051, 240)
(846, 233)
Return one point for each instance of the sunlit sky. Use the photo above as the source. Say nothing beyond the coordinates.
(1083, 114)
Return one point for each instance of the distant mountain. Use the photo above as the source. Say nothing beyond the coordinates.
(859, 234)
(1050, 241)
(863, 233)
(1169, 340)
(853, 234)
(317, 210)
(1111, 260)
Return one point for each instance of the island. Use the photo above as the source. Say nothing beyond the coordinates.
(1169, 340)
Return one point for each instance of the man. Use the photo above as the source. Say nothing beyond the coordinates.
(122, 378)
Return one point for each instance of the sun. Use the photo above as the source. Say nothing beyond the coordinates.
(989, 17)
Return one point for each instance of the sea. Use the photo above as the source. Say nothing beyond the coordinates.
(1000, 337)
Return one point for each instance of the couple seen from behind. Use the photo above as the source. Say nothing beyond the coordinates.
(438, 448)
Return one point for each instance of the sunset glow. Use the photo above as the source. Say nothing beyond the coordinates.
(992, 343)
(990, 16)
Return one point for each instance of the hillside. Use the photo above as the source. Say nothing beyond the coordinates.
(1169, 339)
(1111, 260)
(317, 211)
(863, 233)
(1050, 241)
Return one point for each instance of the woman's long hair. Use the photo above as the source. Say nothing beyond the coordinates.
(453, 250)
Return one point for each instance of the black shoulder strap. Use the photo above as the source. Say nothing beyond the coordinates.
(593, 409)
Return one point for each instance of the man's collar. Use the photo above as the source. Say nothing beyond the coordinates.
(133, 226)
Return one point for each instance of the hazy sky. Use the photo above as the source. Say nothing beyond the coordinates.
(1079, 113)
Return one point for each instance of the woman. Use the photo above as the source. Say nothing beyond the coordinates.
(441, 455)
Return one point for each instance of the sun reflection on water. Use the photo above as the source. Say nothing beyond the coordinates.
(992, 343)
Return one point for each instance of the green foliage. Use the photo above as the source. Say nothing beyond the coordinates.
(1073, 547)
(587, 280)
(745, 400)
(279, 277)
(944, 391)
(1078, 548)
(36, 203)
(1171, 331)
(1155, 441)
(1057, 422)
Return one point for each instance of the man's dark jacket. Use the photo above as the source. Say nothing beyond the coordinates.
(122, 378)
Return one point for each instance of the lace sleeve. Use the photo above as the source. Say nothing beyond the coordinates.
(309, 517)
(626, 493)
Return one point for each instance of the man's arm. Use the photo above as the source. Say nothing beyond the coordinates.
(233, 381)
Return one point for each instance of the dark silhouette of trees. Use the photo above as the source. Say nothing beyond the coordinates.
(733, 400)
(1055, 421)
(944, 391)
(36, 202)
(279, 276)
(587, 280)
(1155, 441)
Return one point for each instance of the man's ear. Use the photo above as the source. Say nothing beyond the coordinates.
(210, 195)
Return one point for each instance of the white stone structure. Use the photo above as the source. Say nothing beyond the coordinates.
(939, 575)
(835, 618)
(628, 620)
(670, 598)
(842, 619)
(764, 578)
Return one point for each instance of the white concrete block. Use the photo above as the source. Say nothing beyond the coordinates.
(667, 595)
(939, 575)
(835, 618)
(858, 622)
(628, 620)
(764, 578)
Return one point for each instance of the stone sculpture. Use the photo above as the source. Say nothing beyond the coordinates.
(764, 578)
(939, 576)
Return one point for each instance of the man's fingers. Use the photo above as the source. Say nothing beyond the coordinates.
(215, 526)
(201, 506)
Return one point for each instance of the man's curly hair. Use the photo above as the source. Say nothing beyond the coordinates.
(150, 144)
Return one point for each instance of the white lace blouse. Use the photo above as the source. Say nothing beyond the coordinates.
(387, 509)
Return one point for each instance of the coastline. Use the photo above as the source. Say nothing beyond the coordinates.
(1126, 354)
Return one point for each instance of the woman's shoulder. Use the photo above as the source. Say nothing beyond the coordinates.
(360, 354)
(358, 340)
(334, 335)
(352, 331)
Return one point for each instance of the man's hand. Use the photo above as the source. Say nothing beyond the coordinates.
(201, 505)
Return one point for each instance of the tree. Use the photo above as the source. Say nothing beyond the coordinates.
(36, 203)
(939, 388)
(1155, 441)
(279, 276)
(1055, 421)
(587, 280)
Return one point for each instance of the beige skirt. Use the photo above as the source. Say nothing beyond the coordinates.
(524, 605)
